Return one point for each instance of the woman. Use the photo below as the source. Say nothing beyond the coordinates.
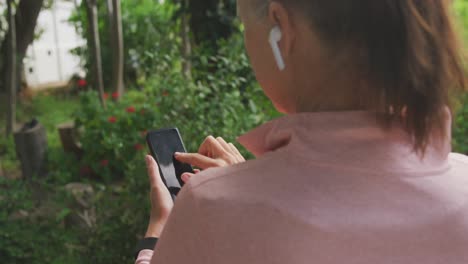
(358, 170)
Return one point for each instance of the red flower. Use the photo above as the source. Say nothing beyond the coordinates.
(165, 93)
(82, 83)
(106, 96)
(104, 163)
(112, 119)
(138, 147)
(115, 95)
(131, 109)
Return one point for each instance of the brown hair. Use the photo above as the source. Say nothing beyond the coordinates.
(408, 49)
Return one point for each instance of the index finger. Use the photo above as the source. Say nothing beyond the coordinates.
(197, 160)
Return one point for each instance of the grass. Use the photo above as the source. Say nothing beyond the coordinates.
(50, 109)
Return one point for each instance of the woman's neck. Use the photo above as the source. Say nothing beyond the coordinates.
(332, 95)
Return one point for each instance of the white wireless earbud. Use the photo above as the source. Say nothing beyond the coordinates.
(275, 37)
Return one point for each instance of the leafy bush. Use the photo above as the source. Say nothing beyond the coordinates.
(113, 136)
(226, 102)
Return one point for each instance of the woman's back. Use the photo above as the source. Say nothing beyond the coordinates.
(326, 188)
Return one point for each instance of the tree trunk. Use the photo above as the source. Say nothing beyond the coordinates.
(116, 42)
(95, 47)
(11, 67)
(112, 44)
(186, 42)
(26, 16)
(26, 21)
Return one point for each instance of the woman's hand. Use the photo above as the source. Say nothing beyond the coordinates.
(213, 152)
(161, 200)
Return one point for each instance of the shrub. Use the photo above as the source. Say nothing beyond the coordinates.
(113, 136)
(226, 102)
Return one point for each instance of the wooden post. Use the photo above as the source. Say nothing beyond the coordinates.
(11, 67)
(31, 149)
(68, 137)
(96, 47)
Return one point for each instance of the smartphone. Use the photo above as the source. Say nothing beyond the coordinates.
(163, 144)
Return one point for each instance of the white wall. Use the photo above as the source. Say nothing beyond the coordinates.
(48, 60)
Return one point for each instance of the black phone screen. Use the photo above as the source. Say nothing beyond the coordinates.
(163, 144)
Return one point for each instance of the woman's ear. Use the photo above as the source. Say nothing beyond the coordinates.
(279, 16)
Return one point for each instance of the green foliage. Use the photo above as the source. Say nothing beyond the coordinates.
(211, 21)
(34, 228)
(461, 10)
(113, 136)
(122, 214)
(8, 155)
(460, 133)
(29, 234)
(213, 105)
(150, 34)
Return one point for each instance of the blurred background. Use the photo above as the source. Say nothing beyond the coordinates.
(81, 83)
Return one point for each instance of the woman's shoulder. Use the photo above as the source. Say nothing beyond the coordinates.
(234, 181)
(217, 176)
(459, 158)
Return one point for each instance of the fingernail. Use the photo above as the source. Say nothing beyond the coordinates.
(148, 160)
(177, 154)
(185, 177)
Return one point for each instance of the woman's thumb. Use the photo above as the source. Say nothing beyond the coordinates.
(153, 171)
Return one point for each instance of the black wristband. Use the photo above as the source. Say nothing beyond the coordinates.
(145, 243)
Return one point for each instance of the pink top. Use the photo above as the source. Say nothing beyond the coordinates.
(325, 188)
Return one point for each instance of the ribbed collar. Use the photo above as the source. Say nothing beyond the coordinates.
(352, 139)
